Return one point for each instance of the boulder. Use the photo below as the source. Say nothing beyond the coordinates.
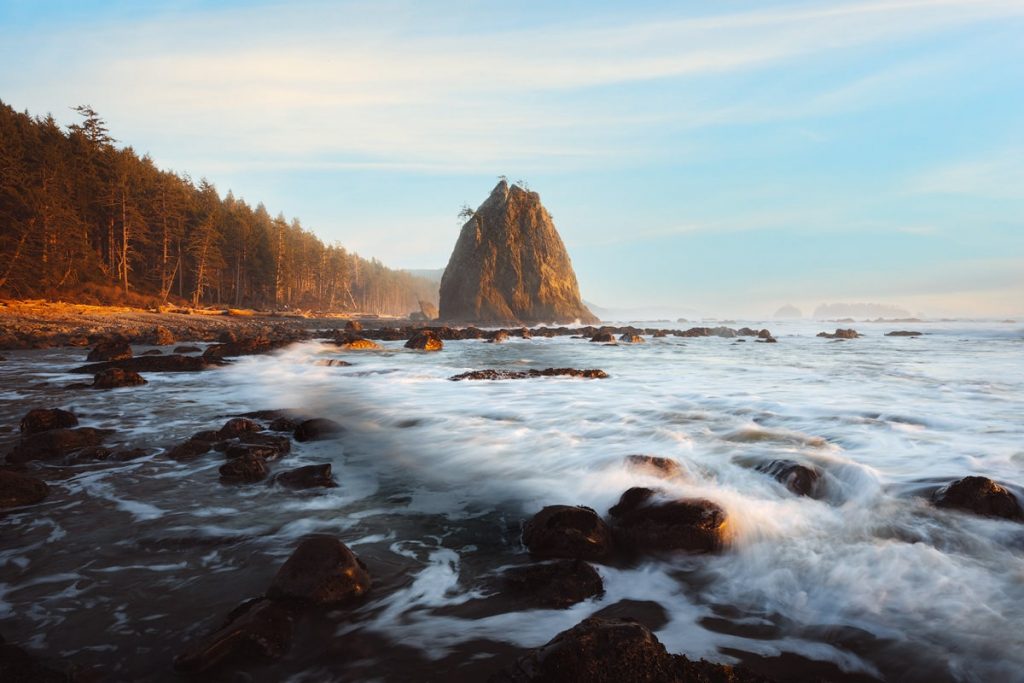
(152, 352)
(245, 347)
(169, 363)
(244, 470)
(510, 266)
(425, 341)
(903, 333)
(307, 477)
(161, 336)
(262, 451)
(603, 337)
(498, 336)
(283, 424)
(321, 571)
(18, 489)
(612, 650)
(56, 443)
(258, 630)
(112, 349)
(979, 495)
(644, 523)
(630, 338)
(567, 531)
(238, 426)
(44, 419)
(318, 429)
(800, 479)
(354, 326)
(553, 585)
(192, 448)
(666, 468)
(840, 334)
(333, 363)
(354, 343)
(187, 349)
(115, 378)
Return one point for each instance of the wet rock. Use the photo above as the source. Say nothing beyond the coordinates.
(192, 448)
(18, 666)
(318, 429)
(245, 347)
(630, 338)
(283, 424)
(603, 337)
(18, 489)
(646, 524)
(903, 333)
(321, 571)
(238, 426)
(525, 374)
(567, 531)
(244, 470)
(354, 326)
(611, 650)
(112, 349)
(425, 341)
(359, 344)
(161, 336)
(498, 336)
(187, 349)
(665, 468)
(169, 363)
(765, 340)
(840, 334)
(310, 476)
(209, 436)
(979, 495)
(44, 419)
(115, 378)
(660, 334)
(766, 335)
(747, 332)
(799, 479)
(257, 631)
(152, 352)
(3, 358)
(56, 443)
(557, 584)
(333, 363)
(239, 450)
(103, 454)
(227, 337)
(524, 333)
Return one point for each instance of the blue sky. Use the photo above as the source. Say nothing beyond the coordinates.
(725, 158)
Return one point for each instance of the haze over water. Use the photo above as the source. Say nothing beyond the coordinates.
(436, 477)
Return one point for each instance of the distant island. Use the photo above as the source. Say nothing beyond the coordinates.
(788, 311)
(861, 311)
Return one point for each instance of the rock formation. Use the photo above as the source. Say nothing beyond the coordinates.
(509, 266)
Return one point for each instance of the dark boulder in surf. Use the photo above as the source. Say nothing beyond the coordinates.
(630, 338)
(840, 334)
(115, 378)
(519, 374)
(246, 469)
(44, 419)
(283, 424)
(802, 480)
(56, 443)
(321, 571)
(979, 495)
(170, 363)
(263, 451)
(603, 338)
(553, 585)
(18, 489)
(189, 450)
(17, 665)
(112, 349)
(426, 340)
(161, 336)
(568, 531)
(498, 336)
(610, 650)
(238, 426)
(307, 477)
(643, 523)
(903, 333)
(257, 631)
(187, 349)
(318, 429)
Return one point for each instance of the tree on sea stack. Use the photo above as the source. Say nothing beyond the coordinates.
(509, 266)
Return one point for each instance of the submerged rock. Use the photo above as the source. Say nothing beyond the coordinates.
(169, 363)
(318, 429)
(192, 448)
(557, 584)
(307, 477)
(840, 334)
(238, 426)
(903, 333)
(321, 571)
(187, 349)
(518, 374)
(56, 443)
(257, 631)
(510, 266)
(645, 524)
(979, 495)
(246, 469)
(609, 650)
(115, 378)
(113, 349)
(655, 465)
(44, 419)
(567, 531)
(800, 479)
(425, 341)
(18, 489)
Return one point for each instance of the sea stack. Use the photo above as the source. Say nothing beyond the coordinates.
(509, 266)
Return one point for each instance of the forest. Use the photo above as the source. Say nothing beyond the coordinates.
(86, 221)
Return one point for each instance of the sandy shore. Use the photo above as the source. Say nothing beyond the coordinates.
(41, 324)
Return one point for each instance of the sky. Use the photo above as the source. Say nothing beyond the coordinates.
(723, 158)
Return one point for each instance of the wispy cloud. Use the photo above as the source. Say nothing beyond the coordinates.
(997, 176)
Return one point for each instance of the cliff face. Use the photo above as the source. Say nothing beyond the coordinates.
(509, 266)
